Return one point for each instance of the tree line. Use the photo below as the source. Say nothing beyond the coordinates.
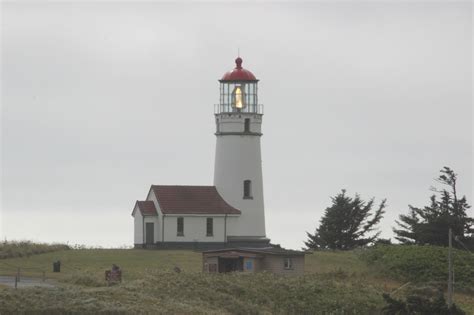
(351, 222)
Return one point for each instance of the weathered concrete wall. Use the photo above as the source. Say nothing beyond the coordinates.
(210, 264)
(276, 264)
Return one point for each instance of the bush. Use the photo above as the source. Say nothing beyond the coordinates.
(421, 263)
(422, 301)
(12, 249)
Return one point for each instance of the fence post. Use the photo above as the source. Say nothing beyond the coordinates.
(18, 274)
(450, 270)
(44, 277)
(16, 281)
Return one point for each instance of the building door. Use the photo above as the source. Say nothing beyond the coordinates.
(150, 232)
(231, 264)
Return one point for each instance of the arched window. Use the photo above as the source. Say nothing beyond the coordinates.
(247, 189)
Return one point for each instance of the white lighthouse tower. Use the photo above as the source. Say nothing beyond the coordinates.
(238, 163)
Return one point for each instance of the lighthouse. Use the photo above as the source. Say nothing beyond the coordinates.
(238, 162)
(229, 213)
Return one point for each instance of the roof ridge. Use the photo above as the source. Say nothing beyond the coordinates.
(183, 186)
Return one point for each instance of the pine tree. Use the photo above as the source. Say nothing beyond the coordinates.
(429, 225)
(346, 223)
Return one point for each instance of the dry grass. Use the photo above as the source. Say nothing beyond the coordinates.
(333, 280)
(11, 249)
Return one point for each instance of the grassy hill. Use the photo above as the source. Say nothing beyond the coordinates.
(335, 282)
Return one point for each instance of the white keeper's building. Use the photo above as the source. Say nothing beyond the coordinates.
(231, 212)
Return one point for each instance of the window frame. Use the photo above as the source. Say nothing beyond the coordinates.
(212, 227)
(247, 189)
(288, 263)
(178, 232)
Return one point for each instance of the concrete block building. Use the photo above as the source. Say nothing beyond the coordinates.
(251, 260)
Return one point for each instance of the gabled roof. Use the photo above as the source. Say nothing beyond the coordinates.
(146, 208)
(191, 200)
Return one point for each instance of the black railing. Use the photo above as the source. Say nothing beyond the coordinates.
(227, 108)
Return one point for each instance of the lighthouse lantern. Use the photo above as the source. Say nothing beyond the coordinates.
(238, 91)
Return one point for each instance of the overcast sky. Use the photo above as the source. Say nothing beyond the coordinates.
(101, 100)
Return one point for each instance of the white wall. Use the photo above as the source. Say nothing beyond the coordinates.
(137, 226)
(194, 229)
(238, 158)
(157, 220)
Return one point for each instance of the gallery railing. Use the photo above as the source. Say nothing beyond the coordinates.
(227, 108)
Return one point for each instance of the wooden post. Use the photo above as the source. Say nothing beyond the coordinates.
(16, 281)
(44, 277)
(18, 274)
(450, 270)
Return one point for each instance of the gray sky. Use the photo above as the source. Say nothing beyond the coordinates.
(101, 100)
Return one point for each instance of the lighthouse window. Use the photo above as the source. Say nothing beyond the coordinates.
(247, 125)
(247, 189)
(238, 97)
(180, 227)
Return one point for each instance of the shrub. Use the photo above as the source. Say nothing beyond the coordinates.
(12, 249)
(416, 263)
(423, 301)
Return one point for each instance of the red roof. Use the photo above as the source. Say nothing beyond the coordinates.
(239, 73)
(146, 207)
(191, 200)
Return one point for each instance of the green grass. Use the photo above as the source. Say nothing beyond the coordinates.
(335, 282)
(134, 263)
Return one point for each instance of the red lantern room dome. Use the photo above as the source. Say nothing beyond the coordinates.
(238, 73)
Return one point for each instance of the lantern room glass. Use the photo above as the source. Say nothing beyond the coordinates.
(238, 97)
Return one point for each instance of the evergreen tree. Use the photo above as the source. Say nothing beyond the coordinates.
(346, 223)
(430, 225)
